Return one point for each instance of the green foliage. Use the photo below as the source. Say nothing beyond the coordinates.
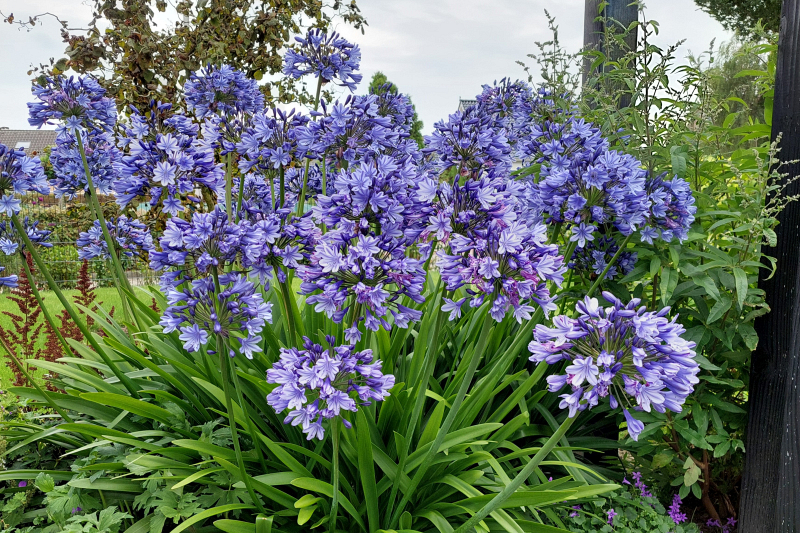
(378, 85)
(165, 460)
(632, 513)
(690, 121)
(743, 15)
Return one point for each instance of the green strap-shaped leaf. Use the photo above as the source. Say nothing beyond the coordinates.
(133, 405)
(366, 468)
(209, 513)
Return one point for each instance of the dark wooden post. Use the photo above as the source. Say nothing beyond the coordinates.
(616, 15)
(771, 484)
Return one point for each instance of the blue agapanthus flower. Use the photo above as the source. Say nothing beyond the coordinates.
(19, 174)
(11, 241)
(234, 311)
(101, 156)
(593, 258)
(672, 209)
(132, 238)
(317, 384)
(634, 357)
(373, 217)
(164, 161)
(502, 102)
(508, 266)
(326, 56)
(222, 91)
(74, 102)
(469, 142)
(189, 249)
(8, 281)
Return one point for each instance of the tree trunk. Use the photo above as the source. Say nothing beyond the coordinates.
(771, 483)
(617, 15)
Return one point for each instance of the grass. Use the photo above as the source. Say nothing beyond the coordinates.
(108, 297)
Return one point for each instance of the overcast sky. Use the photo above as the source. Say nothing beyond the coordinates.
(437, 51)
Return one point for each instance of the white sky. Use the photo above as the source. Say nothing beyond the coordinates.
(437, 51)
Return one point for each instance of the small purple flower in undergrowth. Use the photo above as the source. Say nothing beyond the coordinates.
(728, 527)
(19, 174)
(509, 266)
(317, 383)
(639, 484)
(672, 209)
(76, 510)
(222, 90)
(632, 356)
(575, 513)
(611, 513)
(325, 56)
(132, 238)
(164, 160)
(593, 258)
(234, 311)
(374, 217)
(675, 510)
(22, 484)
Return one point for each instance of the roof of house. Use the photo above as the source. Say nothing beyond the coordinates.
(464, 103)
(32, 141)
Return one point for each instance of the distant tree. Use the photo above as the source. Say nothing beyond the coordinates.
(138, 57)
(743, 15)
(378, 85)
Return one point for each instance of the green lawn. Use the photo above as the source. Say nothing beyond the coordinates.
(107, 295)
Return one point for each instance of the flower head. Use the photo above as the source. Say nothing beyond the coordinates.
(671, 211)
(675, 510)
(326, 56)
(593, 259)
(20, 174)
(641, 359)
(317, 383)
(75, 102)
(222, 90)
(132, 238)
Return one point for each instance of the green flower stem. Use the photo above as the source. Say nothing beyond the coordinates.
(121, 281)
(30, 379)
(229, 189)
(288, 309)
(302, 200)
(419, 402)
(123, 378)
(602, 276)
(324, 178)
(40, 301)
(250, 426)
(517, 482)
(281, 189)
(477, 354)
(335, 500)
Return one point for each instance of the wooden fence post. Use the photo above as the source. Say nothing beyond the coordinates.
(770, 500)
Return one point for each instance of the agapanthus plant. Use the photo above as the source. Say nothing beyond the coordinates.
(76, 102)
(592, 259)
(225, 306)
(325, 56)
(672, 209)
(318, 384)
(222, 90)
(509, 266)
(11, 241)
(373, 217)
(101, 156)
(19, 174)
(132, 237)
(636, 358)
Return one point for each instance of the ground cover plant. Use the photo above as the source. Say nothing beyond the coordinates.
(351, 332)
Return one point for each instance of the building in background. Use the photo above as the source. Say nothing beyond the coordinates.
(32, 141)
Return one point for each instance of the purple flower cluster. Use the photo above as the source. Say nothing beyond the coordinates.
(594, 257)
(509, 265)
(222, 91)
(644, 492)
(11, 241)
(329, 57)
(675, 510)
(728, 527)
(317, 384)
(164, 160)
(131, 236)
(19, 174)
(101, 157)
(373, 216)
(231, 309)
(672, 209)
(623, 352)
(502, 102)
(469, 142)
(77, 103)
